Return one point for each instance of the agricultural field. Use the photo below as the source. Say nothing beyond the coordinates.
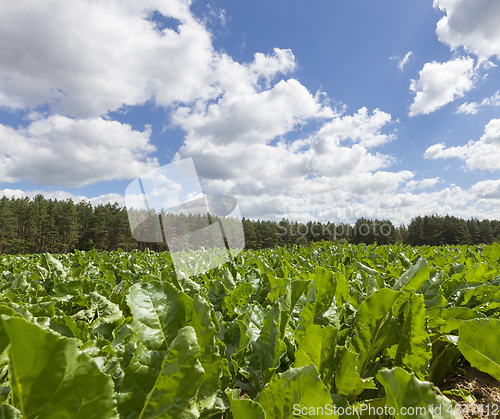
(322, 331)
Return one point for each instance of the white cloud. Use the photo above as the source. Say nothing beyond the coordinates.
(472, 24)
(67, 152)
(360, 127)
(216, 13)
(109, 198)
(232, 142)
(9, 102)
(243, 120)
(88, 58)
(482, 200)
(422, 184)
(441, 83)
(405, 60)
(469, 108)
(474, 107)
(483, 154)
(253, 117)
(487, 189)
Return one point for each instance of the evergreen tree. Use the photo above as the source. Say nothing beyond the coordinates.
(485, 232)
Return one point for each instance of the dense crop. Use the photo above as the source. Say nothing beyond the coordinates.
(273, 334)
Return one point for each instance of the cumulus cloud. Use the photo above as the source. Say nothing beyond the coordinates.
(472, 24)
(422, 184)
(441, 83)
(254, 117)
(68, 152)
(474, 107)
(240, 148)
(487, 189)
(468, 108)
(246, 124)
(483, 154)
(360, 127)
(60, 195)
(88, 58)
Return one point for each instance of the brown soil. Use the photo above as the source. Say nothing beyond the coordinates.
(482, 386)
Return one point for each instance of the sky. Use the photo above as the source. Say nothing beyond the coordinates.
(319, 110)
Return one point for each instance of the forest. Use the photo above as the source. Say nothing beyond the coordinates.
(60, 226)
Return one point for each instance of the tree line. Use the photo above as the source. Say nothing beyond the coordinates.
(59, 226)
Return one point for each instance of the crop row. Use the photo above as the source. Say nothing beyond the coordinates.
(276, 333)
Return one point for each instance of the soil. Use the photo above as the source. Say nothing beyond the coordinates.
(482, 386)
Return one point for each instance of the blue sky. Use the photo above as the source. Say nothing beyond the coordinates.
(320, 110)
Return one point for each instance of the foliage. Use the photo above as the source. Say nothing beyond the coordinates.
(275, 333)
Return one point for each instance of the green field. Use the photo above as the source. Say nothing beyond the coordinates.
(277, 333)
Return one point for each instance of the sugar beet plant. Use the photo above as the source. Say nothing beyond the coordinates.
(276, 333)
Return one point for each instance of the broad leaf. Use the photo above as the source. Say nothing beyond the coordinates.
(48, 372)
(244, 408)
(348, 380)
(174, 393)
(295, 389)
(375, 327)
(108, 311)
(267, 349)
(414, 347)
(159, 311)
(318, 346)
(412, 398)
(9, 412)
(319, 299)
(478, 341)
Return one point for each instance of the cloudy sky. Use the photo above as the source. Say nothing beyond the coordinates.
(327, 110)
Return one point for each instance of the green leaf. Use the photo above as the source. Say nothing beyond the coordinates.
(48, 372)
(278, 286)
(478, 341)
(267, 349)
(159, 310)
(318, 346)
(210, 357)
(453, 317)
(4, 338)
(319, 299)
(482, 272)
(342, 290)
(298, 388)
(140, 376)
(174, 393)
(411, 281)
(9, 412)
(237, 298)
(288, 301)
(108, 311)
(414, 347)
(405, 393)
(484, 297)
(463, 393)
(53, 266)
(413, 278)
(244, 408)
(237, 340)
(375, 327)
(445, 358)
(348, 380)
